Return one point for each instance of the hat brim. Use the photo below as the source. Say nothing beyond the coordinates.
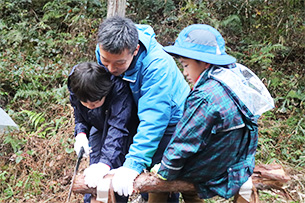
(205, 57)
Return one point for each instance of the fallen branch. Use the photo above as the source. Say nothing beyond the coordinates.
(271, 176)
(145, 182)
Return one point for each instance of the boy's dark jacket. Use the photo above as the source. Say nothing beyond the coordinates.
(116, 119)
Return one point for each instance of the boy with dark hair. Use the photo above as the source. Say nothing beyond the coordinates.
(215, 141)
(103, 109)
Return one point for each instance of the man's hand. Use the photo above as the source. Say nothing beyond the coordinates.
(94, 173)
(82, 141)
(122, 180)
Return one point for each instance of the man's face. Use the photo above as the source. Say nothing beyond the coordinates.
(117, 64)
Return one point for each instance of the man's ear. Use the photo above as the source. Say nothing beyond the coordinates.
(137, 50)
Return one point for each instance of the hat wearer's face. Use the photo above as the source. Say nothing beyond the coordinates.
(192, 69)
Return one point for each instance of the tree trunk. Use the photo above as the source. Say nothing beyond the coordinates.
(116, 7)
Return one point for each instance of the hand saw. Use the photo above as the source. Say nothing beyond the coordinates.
(79, 157)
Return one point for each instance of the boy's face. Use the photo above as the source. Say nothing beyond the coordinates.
(95, 104)
(117, 64)
(192, 68)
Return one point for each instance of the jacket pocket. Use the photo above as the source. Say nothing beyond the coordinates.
(238, 174)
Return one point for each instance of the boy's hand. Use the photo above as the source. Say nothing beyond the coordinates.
(122, 180)
(94, 173)
(82, 141)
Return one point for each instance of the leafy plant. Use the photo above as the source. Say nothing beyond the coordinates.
(264, 54)
(35, 119)
(15, 143)
(7, 190)
(40, 126)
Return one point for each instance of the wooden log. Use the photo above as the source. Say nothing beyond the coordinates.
(271, 176)
(145, 182)
(79, 186)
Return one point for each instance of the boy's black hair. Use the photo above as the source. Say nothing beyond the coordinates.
(90, 82)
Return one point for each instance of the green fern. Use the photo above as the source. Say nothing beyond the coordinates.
(32, 94)
(56, 95)
(35, 118)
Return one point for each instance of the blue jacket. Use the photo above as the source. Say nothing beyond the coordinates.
(112, 119)
(159, 90)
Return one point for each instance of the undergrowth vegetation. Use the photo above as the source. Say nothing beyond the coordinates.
(41, 40)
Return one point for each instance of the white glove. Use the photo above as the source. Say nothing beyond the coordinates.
(94, 173)
(122, 180)
(82, 141)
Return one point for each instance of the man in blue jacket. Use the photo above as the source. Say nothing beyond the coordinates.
(158, 88)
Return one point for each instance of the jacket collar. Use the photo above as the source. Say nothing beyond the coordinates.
(131, 74)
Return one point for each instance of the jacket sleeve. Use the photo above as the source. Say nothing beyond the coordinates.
(154, 111)
(120, 113)
(80, 124)
(188, 138)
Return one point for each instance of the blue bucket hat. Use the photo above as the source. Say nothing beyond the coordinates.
(201, 42)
